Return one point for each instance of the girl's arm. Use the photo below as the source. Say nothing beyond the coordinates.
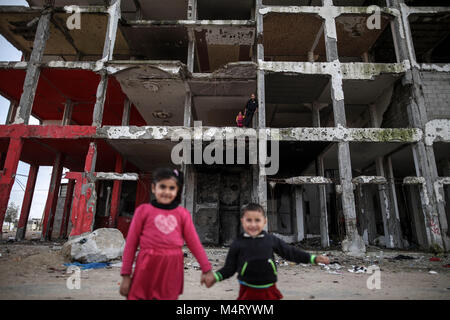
(193, 242)
(132, 242)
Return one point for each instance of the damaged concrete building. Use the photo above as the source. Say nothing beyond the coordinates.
(356, 94)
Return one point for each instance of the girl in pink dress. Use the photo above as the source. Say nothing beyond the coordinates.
(160, 228)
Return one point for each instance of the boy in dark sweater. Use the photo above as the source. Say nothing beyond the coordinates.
(252, 255)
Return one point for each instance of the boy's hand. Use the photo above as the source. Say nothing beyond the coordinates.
(125, 285)
(208, 279)
(322, 259)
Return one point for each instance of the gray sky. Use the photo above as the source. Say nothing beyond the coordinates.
(9, 53)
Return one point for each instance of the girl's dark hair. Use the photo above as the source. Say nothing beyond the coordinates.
(252, 207)
(168, 173)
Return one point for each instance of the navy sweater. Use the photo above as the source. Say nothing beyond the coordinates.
(253, 258)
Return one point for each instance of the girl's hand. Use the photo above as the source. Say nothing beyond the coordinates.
(322, 259)
(125, 285)
(208, 279)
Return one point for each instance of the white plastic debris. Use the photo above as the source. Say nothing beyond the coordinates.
(433, 272)
(324, 266)
(117, 264)
(356, 269)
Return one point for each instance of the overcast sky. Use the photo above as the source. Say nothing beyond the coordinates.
(9, 53)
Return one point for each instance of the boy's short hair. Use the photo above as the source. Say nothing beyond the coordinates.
(252, 207)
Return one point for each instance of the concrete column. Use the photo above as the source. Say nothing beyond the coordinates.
(126, 112)
(424, 160)
(320, 171)
(26, 203)
(11, 112)
(52, 198)
(67, 209)
(97, 116)
(7, 176)
(113, 20)
(391, 221)
(116, 192)
(262, 182)
(108, 50)
(188, 193)
(370, 216)
(191, 15)
(67, 116)
(362, 213)
(33, 69)
(353, 243)
(85, 197)
(300, 217)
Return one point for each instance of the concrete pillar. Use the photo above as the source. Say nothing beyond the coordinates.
(67, 116)
(97, 116)
(113, 20)
(321, 189)
(424, 160)
(299, 213)
(85, 197)
(33, 69)
(353, 243)
(262, 182)
(370, 216)
(188, 193)
(116, 192)
(191, 15)
(52, 198)
(26, 203)
(126, 112)
(11, 112)
(67, 209)
(7, 176)
(362, 213)
(391, 221)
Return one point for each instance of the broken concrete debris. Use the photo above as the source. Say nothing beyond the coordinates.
(101, 245)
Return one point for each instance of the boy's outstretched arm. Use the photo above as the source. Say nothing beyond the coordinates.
(297, 255)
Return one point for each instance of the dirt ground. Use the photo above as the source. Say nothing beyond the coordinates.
(34, 270)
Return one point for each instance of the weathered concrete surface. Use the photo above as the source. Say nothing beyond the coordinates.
(101, 245)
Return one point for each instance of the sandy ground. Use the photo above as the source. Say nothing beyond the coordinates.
(35, 270)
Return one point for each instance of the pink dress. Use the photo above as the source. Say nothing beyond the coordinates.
(159, 270)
